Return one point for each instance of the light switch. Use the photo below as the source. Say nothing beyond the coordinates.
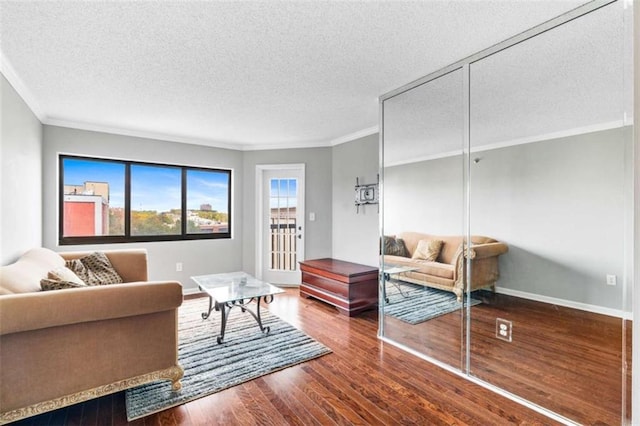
(312, 216)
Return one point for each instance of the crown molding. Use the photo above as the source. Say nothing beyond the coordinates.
(355, 135)
(60, 122)
(12, 77)
(521, 141)
(285, 145)
(553, 135)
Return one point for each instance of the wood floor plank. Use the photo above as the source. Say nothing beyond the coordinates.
(367, 381)
(258, 406)
(292, 378)
(291, 417)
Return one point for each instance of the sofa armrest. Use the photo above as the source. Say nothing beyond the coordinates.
(482, 251)
(39, 310)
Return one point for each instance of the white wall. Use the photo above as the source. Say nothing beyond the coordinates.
(558, 204)
(20, 176)
(355, 235)
(317, 198)
(199, 256)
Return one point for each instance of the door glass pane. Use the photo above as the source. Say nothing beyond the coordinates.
(93, 197)
(155, 200)
(283, 195)
(422, 211)
(550, 183)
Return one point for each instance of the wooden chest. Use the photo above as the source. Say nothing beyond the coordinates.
(350, 287)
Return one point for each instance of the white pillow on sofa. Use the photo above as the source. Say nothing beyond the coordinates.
(25, 274)
(62, 273)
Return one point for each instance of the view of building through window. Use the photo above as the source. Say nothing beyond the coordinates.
(93, 198)
(94, 194)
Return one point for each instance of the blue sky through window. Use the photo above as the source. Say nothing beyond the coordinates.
(283, 193)
(155, 188)
(78, 171)
(152, 187)
(207, 187)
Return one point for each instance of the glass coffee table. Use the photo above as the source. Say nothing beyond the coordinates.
(398, 270)
(235, 289)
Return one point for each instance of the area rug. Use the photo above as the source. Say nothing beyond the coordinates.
(417, 303)
(209, 367)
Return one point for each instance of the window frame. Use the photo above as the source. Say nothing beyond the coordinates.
(127, 237)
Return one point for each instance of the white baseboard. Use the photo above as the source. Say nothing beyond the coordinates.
(191, 290)
(618, 313)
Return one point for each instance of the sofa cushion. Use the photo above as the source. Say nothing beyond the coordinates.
(52, 284)
(427, 250)
(433, 269)
(394, 246)
(95, 269)
(25, 274)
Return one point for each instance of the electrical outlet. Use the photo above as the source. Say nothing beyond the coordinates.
(503, 329)
(179, 267)
(611, 280)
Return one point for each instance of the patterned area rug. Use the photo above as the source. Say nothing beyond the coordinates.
(417, 303)
(245, 354)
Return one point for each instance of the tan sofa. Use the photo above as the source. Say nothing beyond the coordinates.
(448, 271)
(61, 347)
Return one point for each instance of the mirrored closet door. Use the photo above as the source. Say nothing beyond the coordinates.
(506, 217)
(423, 173)
(550, 158)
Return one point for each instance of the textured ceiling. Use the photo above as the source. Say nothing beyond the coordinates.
(570, 79)
(247, 75)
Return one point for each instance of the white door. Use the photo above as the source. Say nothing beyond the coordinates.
(282, 223)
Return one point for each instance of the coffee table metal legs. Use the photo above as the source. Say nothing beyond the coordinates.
(388, 279)
(226, 307)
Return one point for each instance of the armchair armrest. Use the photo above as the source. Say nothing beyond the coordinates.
(39, 310)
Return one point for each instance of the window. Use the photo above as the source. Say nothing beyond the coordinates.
(110, 201)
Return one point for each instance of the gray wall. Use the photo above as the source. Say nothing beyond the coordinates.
(355, 235)
(317, 198)
(20, 176)
(198, 257)
(560, 205)
(424, 197)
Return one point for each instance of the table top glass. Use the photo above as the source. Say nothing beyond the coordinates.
(398, 269)
(232, 286)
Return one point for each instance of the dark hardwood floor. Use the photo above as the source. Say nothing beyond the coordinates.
(364, 381)
(566, 360)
